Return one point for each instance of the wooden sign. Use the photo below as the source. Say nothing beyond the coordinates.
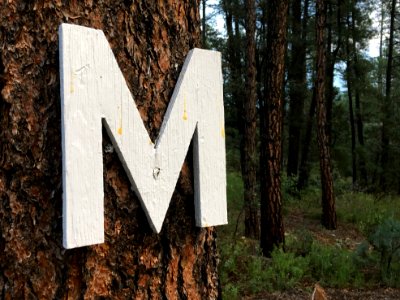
(94, 94)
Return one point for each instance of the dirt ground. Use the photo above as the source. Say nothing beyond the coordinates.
(334, 294)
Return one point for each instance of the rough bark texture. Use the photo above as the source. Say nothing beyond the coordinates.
(250, 129)
(328, 198)
(272, 231)
(150, 41)
(297, 84)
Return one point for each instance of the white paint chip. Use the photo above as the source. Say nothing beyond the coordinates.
(94, 92)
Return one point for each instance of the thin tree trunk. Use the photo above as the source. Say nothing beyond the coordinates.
(234, 64)
(350, 77)
(377, 173)
(297, 85)
(204, 24)
(304, 169)
(387, 104)
(331, 57)
(148, 39)
(359, 121)
(272, 231)
(328, 198)
(249, 170)
(350, 80)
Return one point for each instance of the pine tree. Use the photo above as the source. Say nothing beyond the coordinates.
(328, 197)
(272, 231)
(150, 41)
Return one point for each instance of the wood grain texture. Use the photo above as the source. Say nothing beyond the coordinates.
(93, 90)
(150, 41)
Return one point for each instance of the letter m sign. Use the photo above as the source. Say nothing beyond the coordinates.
(94, 94)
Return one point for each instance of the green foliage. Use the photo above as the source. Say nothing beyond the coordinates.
(300, 242)
(386, 240)
(235, 190)
(334, 266)
(242, 269)
(285, 270)
(365, 210)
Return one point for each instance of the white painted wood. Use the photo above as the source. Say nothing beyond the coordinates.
(94, 92)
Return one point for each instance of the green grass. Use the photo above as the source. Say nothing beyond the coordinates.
(366, 210)
(243, 270)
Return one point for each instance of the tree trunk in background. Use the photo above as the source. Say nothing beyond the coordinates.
(328, 199)
(304, 169)
(350, 80)
(359, 122)
(149, 40)
(377, 172)
(297, 84)
(249, 170)
(236, 87)
(204, 24)
(387, 105)
(272, 232)
(331, 57)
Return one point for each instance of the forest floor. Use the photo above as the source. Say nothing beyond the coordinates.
(332, 294)
(346, 234)
(343, 261)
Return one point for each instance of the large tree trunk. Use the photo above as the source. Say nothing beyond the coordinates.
(272, 232)
(150, 41)
(249, 169)
(297, 84)
(328, 199)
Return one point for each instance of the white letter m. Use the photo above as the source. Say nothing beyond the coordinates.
(94, 93)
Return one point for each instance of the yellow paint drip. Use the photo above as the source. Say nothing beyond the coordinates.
(120, 120)
(223, 132)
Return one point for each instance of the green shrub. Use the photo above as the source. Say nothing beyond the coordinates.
(365, 211)
(242, 269)
(300, 242)
(285, 270)
(386, 240)
(334, 266)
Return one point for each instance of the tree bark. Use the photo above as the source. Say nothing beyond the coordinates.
(328, 198)
(297, 84)
(272, 231)
(150, 41)
(249, 170)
